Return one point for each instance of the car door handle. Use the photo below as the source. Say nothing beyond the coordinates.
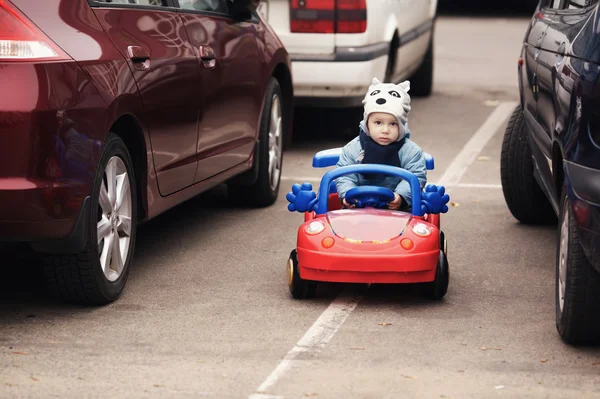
(207, 56)
(139, 55)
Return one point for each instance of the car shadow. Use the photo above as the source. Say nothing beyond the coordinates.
(23, 291)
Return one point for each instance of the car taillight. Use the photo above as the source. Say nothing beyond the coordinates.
(328, 16)
(21, 40)
(351, 16)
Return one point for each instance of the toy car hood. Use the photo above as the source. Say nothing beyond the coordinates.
(368, 224)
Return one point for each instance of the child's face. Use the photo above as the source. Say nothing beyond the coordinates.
(383, 128)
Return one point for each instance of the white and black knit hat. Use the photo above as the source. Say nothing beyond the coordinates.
(389, 98)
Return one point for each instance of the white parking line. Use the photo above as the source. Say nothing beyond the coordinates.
(469, 153)
(313, 341)
(323, 330)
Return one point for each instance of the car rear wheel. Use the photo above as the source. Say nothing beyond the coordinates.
(421, 83)
(299, 288)
(98, 274)
(524, 197)
(263, 191)
(577, 284)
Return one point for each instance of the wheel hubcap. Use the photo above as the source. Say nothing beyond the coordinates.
(562, 256)
(275, 142)
(290, 270)
(114, 219)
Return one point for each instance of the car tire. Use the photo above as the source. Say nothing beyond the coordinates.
(299, 288)
(95, 276)
(421, 82)
(577, 284)
(524, 197)
(264, 190)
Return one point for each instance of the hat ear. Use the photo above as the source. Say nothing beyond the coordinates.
(375, 81)
(405, 85)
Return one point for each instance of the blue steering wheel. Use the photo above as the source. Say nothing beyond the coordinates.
(369, 196)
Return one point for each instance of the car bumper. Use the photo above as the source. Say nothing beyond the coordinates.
(340, 79)
(34, 210)
(585, 199)
(380, 268)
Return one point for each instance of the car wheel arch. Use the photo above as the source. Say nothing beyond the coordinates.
(129, 129)
(284, 77)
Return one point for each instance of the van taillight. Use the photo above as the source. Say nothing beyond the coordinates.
(21, 40)
(328, 16)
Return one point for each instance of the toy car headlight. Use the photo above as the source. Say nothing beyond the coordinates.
(315, 228)
(421, 229)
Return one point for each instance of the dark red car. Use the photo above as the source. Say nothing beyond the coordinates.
(113, 111)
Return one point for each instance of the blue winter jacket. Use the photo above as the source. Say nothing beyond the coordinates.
(411, 158)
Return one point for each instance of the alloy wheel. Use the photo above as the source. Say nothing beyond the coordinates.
(275, 142)
(563, 255)
(114, 219)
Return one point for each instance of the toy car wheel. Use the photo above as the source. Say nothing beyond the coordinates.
(577, 283)
(299, 288)
(438, 287)
(524, 197)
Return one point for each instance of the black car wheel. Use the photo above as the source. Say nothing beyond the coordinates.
(263, 191)
(98, 274)
(577, 284)
(524, 197)
(299, 288)
(421, 83)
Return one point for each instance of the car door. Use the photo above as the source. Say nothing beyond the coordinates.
(150, 35)
(528, 63)
(556, 74)
(414, 28)
(231, 78)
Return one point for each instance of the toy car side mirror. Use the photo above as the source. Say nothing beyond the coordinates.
(326, 158)
(428, 161)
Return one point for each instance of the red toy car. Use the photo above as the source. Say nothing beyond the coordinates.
(366, 244)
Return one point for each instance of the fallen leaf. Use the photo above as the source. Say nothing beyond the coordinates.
(596, 364)
(483, 348)
(483, 158)
(384, 324)
(358, 349)
(311, 394)
(543, 360)
(455, 204)
(157, 385)
(461, 371)
(409, 377)
(499, 387)
(33, 378)
(491, 103)
(20, 353)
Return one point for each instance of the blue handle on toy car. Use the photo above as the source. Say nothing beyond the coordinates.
(415, 187)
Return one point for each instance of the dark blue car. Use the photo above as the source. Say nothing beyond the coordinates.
(550, 163)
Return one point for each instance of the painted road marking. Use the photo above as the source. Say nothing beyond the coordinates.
(323, 330)
(314, 340)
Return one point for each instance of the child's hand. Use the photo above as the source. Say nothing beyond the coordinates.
(396, 202)
(346, 204)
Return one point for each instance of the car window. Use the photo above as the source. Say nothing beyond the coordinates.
(219, 6)
(577, 4)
